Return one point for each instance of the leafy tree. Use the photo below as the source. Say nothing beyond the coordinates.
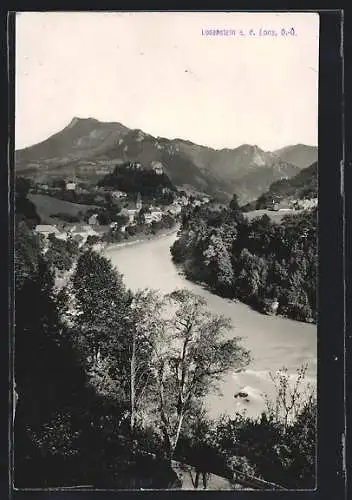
(61, 254)
(25, 209)
(59, 183)
(104, 218)
(218, 263)
(27, 253)
(301, 439)
(22, 186)
(99, 299)
(131, 230)
(42, 348)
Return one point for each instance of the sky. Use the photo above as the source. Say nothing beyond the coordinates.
(163, 73)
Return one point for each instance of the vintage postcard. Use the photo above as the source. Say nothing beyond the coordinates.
(166, 188)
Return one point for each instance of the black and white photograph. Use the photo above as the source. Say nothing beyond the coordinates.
(165, 251)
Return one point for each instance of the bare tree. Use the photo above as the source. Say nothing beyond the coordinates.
(290, 399)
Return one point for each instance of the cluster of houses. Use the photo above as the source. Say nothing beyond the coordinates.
(93, 228)
(306, 204)
(75, 231)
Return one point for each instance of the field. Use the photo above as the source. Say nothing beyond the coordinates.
(47, 206)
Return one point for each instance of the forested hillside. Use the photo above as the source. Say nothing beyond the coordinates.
(133, 180)
(257, 261)
(304, 185)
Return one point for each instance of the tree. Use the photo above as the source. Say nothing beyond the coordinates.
(144, 324)
(104, 218)
(22, 186)
(140, 218)
(27, 253)
(25, 209)
(251, 275)
(49, 380)
(121, 220)
(234, 206)
(290, 398)
(61, 254)
(192, 357)
(218, 262)
(59, 182)
(99, 300)
(301, 440)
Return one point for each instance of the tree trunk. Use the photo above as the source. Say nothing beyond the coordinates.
(164, 421)
(179, 426)
(196, 481)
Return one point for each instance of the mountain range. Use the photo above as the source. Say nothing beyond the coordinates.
(90, 148)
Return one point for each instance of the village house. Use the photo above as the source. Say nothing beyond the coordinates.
(131, 215)
(46, 229)
(93, 220)
(80, 232)
(175, 209)
(70, 186)
(102, 171)
(156, 215)
(134, 165)
(118, 194)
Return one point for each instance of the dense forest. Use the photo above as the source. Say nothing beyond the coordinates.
(259, 262)
(127, 178)
(111, 384)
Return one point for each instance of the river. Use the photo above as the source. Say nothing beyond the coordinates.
(274, 342)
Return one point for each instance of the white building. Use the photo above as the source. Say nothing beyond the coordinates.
(156, 215)
(175, 209)
(131, 215)
(70, 186)
(93, 220)
(46, 229)
(81, 232)
(307, 204)
(118, 194)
